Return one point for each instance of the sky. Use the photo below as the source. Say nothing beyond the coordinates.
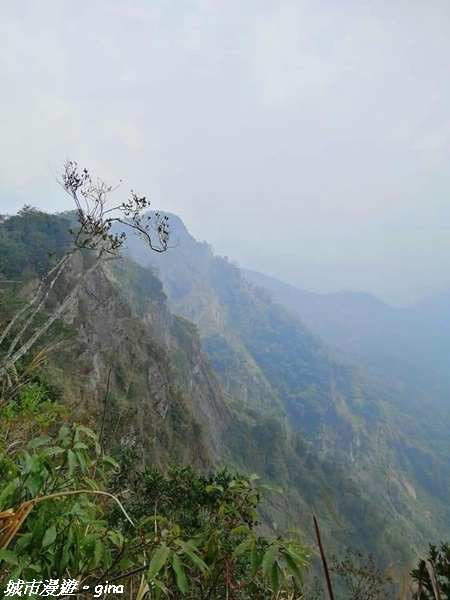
(306, 139)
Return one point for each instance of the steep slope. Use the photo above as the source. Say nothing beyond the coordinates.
(196, 290)
(127, 366)
(284, 406)
(353, 422)
(138, 371)
(162, 390)
(136, 374)
(403, 350)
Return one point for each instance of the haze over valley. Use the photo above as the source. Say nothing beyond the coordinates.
(225, 300)
(311, 142)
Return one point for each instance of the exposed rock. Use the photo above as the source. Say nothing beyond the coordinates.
(126, 339)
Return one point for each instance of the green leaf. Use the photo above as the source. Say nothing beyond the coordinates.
(72, 460)
(80, 446)
(180, 575)
(33, 463)
(214, 488)
(300, 559)
(91, 483)
(159, 587)
(36, 567)
(52, 451)
(39, 441)
(17, 571)
(241, 529)
(8, 491)
(49, 537)
(87, 431)
(158, 561)
(81, 456)
(34, 483)
(116, 538)
(23, 542)
(98, 553)
(274, 577)
(291, 565)
(107, 460)
(243, 546)
(64, 435)
(268, 560)
(78, 511)
(65, 557)
(126, 563)
(271, 488)
(152, 519)
(194, 557)
(212, 550)
(255, 559)
(8, 556)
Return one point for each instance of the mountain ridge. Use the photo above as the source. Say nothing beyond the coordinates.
(365, 327)
(203, 366)
(330, 402)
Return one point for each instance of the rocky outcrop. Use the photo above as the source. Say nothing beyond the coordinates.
(142, 366)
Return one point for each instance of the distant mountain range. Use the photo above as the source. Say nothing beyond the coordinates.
(368, 329)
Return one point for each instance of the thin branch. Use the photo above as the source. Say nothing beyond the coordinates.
(33, 300)
(72, 492)
(105, 407)
(92, 234)
(324, 560)
(62, 263)
(9, 361)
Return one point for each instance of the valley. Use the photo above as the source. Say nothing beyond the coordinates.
(180, 358)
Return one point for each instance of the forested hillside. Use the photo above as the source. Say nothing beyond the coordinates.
(176, 362)
(270, 363)
(370, 330)
(404, 351)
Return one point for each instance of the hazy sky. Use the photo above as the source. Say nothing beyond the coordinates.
(308, 139)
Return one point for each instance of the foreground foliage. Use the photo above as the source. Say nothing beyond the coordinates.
(361, 577)
(432, 574)
(70, 513)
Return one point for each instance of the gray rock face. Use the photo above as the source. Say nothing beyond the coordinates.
(125, 339)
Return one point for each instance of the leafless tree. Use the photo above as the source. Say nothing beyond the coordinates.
(96, 216)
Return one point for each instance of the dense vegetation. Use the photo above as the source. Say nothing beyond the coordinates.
(70, 511)
(192, 534)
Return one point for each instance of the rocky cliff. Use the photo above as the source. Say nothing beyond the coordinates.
(138, 369)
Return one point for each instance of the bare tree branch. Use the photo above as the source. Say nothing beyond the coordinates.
(92, 233)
